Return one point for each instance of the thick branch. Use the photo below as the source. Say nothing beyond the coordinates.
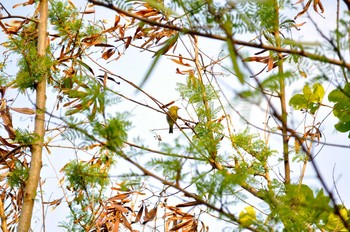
(224, 38)
(282, 98)
(39, 129)
(3, 217)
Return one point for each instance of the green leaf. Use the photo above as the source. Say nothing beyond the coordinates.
(298, 102)
(160, 7)
(233, 55)
(342, 112)
(341, 109)
(167, 46)
(85, 66)
(342, 126)
(347, 89)
(336, 95)
(314, 107)
(310, 99)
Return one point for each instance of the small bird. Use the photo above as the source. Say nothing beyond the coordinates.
(172, 117)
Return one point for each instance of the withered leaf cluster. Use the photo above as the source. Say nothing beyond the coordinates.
(117, 212)
(12, 153)
(317, 4)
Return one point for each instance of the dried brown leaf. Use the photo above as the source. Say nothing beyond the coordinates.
(183, 214)
(7, 120)
(30, 2)
(62, 53)
(180, 61)
(150, 39)
(144, 12)
(116, 189)
(183, 72)
(128, 41)
(188, 204)
(204, 228)
(3, 104)
(261, 59)
(104, 45)
(150, 216)
(150, 14)
(139, 214)
(186, 217)
(319, 4)
(2, 91)
(116, 226)
(3, 152)
(111, 29)
(181, 225)
(72, 4)
(166, 225)
(23, 110)
(71, 102)
(92, 40)
(298, 25)
(270, 64)
(54, 202)
(304, 9)
(119, 196)
(77, 107)
(48, 149)
(126, 223)
(119, 208)
(121, 31)
(116, 20)
(6, 143)
(107, 54)
(138, 29)
(127, 200)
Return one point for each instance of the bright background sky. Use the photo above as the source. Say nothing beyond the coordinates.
(161, 85)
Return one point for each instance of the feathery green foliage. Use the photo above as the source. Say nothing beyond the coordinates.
(222, 162)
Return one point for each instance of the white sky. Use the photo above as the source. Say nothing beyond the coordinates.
(162, 86)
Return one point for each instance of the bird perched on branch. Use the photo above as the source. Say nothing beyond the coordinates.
(172, 117)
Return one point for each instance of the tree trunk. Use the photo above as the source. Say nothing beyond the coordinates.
(39, 129)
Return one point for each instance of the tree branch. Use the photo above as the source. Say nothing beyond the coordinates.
(39, 129)
(188, 194)
(301, 52)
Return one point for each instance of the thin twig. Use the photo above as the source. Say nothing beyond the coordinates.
(301, 52)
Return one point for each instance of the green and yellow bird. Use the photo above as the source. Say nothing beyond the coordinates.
(172, 117)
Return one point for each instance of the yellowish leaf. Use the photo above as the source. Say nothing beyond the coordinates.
(247, 217)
